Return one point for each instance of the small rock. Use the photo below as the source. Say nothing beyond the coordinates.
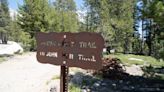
(103, 84)
(114, 84)
(83, 87)
(99, 82)
(96, 84)
(132, 87)
(158, 89)
(134, 70)
(53, 89)
(120, 81)
(88, 90)
(84, 90)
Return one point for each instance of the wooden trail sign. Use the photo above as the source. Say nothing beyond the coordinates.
(82, 50)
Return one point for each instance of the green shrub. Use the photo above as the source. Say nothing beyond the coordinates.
(74, 88)
(161, 53)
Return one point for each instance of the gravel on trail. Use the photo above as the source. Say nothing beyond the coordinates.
(23, 73)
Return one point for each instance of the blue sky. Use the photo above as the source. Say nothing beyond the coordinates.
(13, 4)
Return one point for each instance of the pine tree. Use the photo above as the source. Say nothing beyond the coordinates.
(66, 16)
(4, 20)
(32, 18)
(152, 12)
(114, 20)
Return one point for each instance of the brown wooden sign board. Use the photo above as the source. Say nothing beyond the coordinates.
(82, 50)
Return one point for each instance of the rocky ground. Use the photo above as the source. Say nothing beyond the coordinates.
(128, 83)
(22, 73)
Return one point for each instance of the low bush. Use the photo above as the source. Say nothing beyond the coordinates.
(112, 68)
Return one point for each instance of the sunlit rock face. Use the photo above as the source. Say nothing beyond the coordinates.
(10, 49)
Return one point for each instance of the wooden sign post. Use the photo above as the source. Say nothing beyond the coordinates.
(64, 79)
(83, 50)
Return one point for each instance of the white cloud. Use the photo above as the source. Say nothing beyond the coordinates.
(13, 13)
(81, 15)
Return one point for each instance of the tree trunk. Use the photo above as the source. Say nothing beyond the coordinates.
(0, 37)
(126, 45)
(142, 40)
(4, 38)
(150, 39)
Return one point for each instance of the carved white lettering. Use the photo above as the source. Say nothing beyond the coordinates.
(83, 58)
(52, 54)
(93, 59)
(70, 56)
(87, 44)
(80, 56)
(42, 53)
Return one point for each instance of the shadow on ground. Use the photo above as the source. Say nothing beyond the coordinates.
(151, 72)
(128, 83)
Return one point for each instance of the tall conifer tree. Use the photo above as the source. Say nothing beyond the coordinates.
(4, 20)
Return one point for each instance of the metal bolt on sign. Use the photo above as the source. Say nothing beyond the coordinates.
(83, 50)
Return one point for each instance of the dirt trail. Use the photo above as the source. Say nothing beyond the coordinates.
(23, 73)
